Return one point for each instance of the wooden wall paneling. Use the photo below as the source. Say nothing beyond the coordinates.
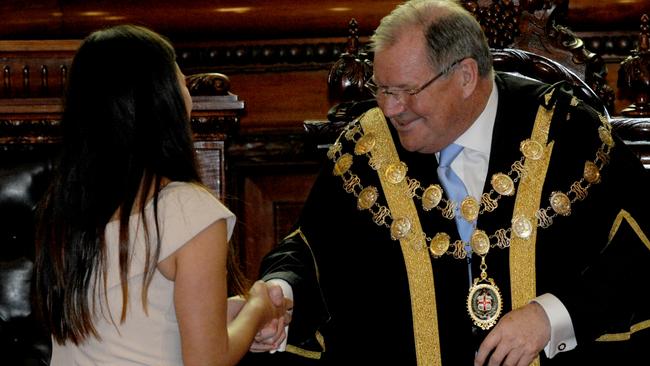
(269, 177)
(281, 100)
(34, 68)
(197, 19)
(606, 15)
(285, 81)
(271, 204)
(247, 19)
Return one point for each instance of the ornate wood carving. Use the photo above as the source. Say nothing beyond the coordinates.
(208, 84)
(536, 26)
(634, 75)
(348, 75)
(499, 20)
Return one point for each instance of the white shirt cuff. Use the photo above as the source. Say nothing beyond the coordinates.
(562, 334)
(288, 293)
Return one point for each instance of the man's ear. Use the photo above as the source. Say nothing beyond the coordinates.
(468, 68)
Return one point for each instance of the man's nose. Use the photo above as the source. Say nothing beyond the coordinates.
(392, 106)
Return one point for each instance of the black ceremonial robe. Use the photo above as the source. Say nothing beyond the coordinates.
(349, 278)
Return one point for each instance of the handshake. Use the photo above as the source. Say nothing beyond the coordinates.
(275, 311)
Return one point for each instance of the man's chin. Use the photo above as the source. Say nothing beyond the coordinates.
(408, 143)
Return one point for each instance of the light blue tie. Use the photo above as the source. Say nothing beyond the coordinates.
(456, 192)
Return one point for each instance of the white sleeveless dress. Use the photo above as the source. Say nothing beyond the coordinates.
(151, 338)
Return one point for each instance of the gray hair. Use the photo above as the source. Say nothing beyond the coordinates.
(451, 32)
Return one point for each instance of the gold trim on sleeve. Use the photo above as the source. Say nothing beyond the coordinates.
(624, 215)
(617, 337)
(298, 231)
(319, 337)
(413, 243)
(314, 355)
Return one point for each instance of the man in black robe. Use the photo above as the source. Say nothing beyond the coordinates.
(554, 269)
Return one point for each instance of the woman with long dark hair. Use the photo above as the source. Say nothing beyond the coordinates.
(133, 250)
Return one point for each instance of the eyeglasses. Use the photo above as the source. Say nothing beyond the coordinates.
(402, 95)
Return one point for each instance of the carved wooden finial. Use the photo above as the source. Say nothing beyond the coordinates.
(644, 36)
(347, 78)
(634, 75)
(208, 84)
(352, 47)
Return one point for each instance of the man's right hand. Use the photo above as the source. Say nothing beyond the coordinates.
(273, 333)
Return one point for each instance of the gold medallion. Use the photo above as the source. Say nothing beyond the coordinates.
(469, 208)
(522, 227)
(439, 244)
(431, 197)
(591, 172)
(395, 172)
(480, 242)
(400, 228)
(342, 164)
(605, 136)
(367, 198)
(531, 149)
(365, 144)
(503, 184)
(484, 303)
(560, 203)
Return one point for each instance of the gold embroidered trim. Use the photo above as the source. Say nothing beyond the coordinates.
(314, 355)
(319, 337)
(523, 283)
(416, 258)
(298, 231)
(624, 215)
(617, 337)
(522, 250)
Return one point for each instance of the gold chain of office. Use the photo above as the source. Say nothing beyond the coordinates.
(503, 184)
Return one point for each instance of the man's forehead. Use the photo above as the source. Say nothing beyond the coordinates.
(404, 64)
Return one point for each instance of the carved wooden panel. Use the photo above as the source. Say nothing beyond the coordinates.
(211, 165)
(271, 204)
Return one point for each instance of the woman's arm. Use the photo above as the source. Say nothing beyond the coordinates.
(198, 269)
